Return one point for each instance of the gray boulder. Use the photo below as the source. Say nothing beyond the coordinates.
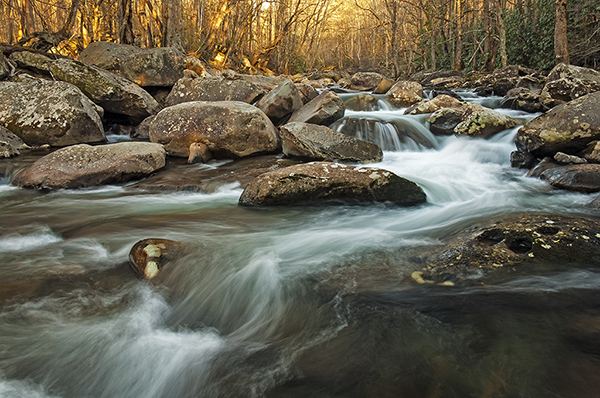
(320, 142)
(405, 93)
(365, 81)
(568, 82)
(213, 89)
(325, 109)
(48, 112)
(523, 99)
(479, 121)
(281, 101)
(574, 177)
(316, 182)
(10, 144)
(567, 128)
(161, 66)
(113, 93)
(81, 166)
(227, 129)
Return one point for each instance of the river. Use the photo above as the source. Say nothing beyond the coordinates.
(312, 301)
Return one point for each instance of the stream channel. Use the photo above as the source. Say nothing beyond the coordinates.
(299, 301)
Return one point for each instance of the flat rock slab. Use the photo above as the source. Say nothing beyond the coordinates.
(325, 109)
(318, 182)
(81, 166)
(178, 175)
(47, 112)
(320, 142)
(512, 243)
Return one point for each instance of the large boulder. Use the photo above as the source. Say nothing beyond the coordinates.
(522, 99)
(316, 182)
(512, 243)
(161, 66)
(324, 109)
(81, 166)
(213, 89)
(48, 112)
(567, 128)
(281, 101)
(444, 121)
(479, 121)
(320, 142)
(365, 81)
(405, 93)
(112, 92)
(149, 256)
(225, 129)
(10, 144)
(574, 177)
(568, 82)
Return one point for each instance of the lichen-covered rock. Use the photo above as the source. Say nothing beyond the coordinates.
(81, 166)
(365, 81)
(213, 89)
(444, 121)
(32, 61)
(574, 177)
(325, 109)
(112, 92)
(319, 182)
(522, 99)
(362, 102)
(281, 101)
(405, 93)
(568, 82)
(229, 129)
(513, 243)
(10, 144)
(320, 142)
(48, 112)
(479, 121)
(567, 128)
(434, 104)
(145, 67)
(149, 256)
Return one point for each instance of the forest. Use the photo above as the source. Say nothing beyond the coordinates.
(395, 37)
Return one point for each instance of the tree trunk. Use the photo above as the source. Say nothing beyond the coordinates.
(459, 43)
(502, 34)
(561, 43)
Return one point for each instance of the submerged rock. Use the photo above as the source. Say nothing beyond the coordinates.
(213, 89)
(149, 256)
(319, 182)
(320, 142)
(512, 243)
(567, 128)
(48, 112)
(112, 92)
(162, 66)
(81, 166)
(228, 129)
(568, 82)
(10, 144)
(324, 109)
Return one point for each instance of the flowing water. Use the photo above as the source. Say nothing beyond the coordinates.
(293, 301)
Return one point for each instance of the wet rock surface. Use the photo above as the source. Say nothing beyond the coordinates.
(322, 182)
(81, 166)
(149, 256)
(47, 112)
(320, 142)
(213, 89)
(228, 129)
(574, 177)
(513, 243)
